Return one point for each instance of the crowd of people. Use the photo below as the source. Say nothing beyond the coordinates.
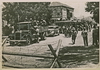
(7, 30)
(72, 31)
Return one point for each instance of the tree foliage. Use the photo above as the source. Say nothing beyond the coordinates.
(14, 12)
(93, 8)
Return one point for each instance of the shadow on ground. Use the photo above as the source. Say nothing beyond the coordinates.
(69, 57)
(76, 56)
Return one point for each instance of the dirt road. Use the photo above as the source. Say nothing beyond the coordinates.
(41, 49)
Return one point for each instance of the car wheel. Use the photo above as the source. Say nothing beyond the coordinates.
(58, 33)
(44, 37)
(53, 34)
(37, 40)
(28, 40)
(46, 34)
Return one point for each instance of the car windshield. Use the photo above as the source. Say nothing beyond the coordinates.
(23, 26)
(51, 27)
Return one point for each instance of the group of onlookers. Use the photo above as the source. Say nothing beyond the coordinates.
(72, 31)
(95, 36)
(67, 31)
(7, 30)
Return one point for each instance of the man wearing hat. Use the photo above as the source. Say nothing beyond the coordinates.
(74, 35)
(85, 36)
(95, 35)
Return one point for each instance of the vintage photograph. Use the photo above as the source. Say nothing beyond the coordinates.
(52, 34)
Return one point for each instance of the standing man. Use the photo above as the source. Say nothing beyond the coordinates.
(95, 35)
(37, 33)
(85, 37)
(64, 28)
(66, 32)
(69, 32)
(74, 35)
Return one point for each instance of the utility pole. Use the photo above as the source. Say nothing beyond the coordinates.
(18, 17)
(18, 13)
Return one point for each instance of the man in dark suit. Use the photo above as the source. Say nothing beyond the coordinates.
(74, 35)
(85, 36)
(95, 35)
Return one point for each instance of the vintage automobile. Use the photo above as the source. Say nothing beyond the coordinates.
(25, 32)
(53, 30)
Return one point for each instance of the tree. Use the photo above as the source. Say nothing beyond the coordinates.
(18, 11)
(93, 8)
(11, 11)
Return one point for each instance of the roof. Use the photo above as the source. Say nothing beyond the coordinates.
(60, 4)
(66, 21)
(24, 22)
(53, 26)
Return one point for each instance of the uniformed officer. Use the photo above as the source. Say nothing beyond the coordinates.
(69, 32)
(85, 36)
(74, 35)
(95, 35)
(64, 29)
(37, 33)
(66, 32)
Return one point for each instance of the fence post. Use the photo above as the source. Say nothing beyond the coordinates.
(55, 56)
(3, 48)
(58, 47)
(4, 58)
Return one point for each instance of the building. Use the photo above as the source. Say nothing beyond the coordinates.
(61, 11)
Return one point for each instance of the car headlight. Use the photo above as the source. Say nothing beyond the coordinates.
(34, 34)
(13, 31)
(52, 31)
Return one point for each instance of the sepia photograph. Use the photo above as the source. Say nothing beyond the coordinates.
(51, 34)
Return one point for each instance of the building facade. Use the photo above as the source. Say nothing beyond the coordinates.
(61, 11)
